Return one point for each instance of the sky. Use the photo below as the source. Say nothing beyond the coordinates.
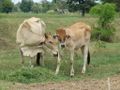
(16, 1)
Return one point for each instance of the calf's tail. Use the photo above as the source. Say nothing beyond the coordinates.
(88, 58)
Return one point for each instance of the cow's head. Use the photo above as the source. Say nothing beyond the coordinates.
(51, 43)
(62, 37)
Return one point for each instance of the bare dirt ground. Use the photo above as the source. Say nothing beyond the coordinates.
(112, 83)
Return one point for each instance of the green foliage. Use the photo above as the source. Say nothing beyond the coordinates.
(78, 5)
(51, 12)
(59, 5)
(104, 30)
(26, 5)
(16, 7)
(27, 75)
(100, 44)
(104, 11)
(107, 14)
(45, 6)
(104, 34)
(116, 2)
(6, 6)
(37, 8)
(0, 5)
(96, 10)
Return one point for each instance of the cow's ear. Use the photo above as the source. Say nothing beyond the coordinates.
(46, 36)
(55, 36)
(67, 36)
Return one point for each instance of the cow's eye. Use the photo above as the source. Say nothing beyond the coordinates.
(50, 42)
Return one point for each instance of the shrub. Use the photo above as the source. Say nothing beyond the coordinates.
(51, 12)
(104, 29)
(28, 75)
(96, 10)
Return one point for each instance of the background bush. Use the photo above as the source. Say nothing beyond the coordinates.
(104, 29)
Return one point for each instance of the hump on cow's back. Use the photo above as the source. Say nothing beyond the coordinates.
(35, 25)
(30, 32)
(34, 19)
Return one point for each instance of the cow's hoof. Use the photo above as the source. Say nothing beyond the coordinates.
(22, 62)
(31, 66)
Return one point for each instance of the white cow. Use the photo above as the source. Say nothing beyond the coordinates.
(33, 40)
(74, 37)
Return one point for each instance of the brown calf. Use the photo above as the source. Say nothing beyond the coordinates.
(74, 37)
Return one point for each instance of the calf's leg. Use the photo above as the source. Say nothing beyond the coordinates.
(32, 62)
(21, 54)
(72, 62)
(85, 56)
(58, 64)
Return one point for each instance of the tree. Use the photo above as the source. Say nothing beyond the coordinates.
(0, 5)
(45, 5)
(117, 2)
(59, 5)
(6, 6)
(16, 7)
(26, 5)
(80, 5)
(36, 8)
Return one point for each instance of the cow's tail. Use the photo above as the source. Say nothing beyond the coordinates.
(88, 58)
(38, 59)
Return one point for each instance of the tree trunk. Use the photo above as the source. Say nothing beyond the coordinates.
(83, 12)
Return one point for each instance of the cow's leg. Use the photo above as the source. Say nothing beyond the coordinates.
(85, 55)
(39, 59)
(21, 54)
(42, 60)
(72, 62)
(32, 62)
(58, 64)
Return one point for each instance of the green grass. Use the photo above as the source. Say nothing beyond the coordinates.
(105, 62)
(5, 85)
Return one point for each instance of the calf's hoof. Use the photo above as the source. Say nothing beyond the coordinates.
(72, 75)
(56, 73)
(83, 72)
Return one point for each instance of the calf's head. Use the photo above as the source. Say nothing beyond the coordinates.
(62, 37)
